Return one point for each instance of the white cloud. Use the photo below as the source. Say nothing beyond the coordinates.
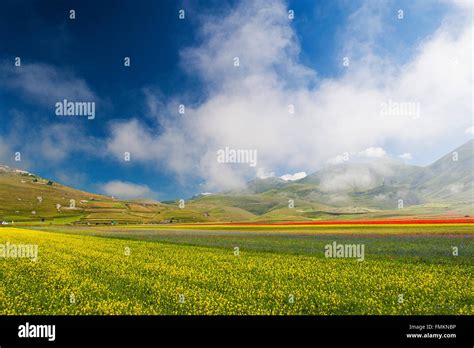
(467, 5)
(247, 106)
(47, 145)
(59, 141)
(470, 130)
(351, 178)
(126, 190)
(364, 155)
(51, 142)
(263, 174)
(44, 83)
(293, 177)
(336, 160)
(456, 188)
(373, 152)
(357, 176)
(406, 156)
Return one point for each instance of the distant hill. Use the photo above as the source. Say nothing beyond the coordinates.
(367, 188)
(376, 189)
(26, 197)
(262, 185)
(449, 178)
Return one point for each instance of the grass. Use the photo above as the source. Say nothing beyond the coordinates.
(194, 270)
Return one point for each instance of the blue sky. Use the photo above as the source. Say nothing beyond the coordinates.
(189, 62)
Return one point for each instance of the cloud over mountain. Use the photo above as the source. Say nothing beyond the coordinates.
(126, 190)
(247, 106)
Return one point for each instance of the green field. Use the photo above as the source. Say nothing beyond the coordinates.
(199, 270)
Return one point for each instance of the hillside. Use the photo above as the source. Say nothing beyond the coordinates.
(369, 189)
(25, 197)
(345, 191)
(450, 178)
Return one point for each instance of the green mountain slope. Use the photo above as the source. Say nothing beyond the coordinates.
(368, 188)
(25, 197)
(450, 178)
(377, 189)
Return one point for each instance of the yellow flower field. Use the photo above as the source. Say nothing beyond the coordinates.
(81, 274)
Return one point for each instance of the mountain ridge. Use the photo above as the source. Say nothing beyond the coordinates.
(348, 190)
